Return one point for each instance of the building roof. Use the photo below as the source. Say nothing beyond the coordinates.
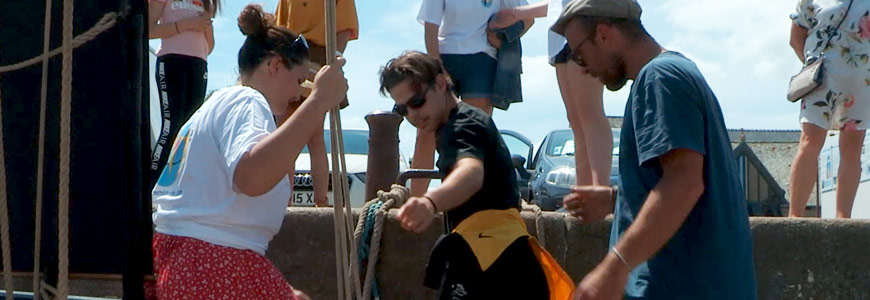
(774, 148)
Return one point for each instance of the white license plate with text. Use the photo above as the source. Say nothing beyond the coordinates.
(303, 198)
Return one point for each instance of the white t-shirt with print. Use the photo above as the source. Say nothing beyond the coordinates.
(462, 23)
(195, 195)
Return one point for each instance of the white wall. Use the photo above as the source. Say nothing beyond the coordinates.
(829, 161)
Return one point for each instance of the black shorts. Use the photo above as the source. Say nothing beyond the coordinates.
(563, 56)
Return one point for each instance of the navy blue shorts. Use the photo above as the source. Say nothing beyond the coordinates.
(473, 74)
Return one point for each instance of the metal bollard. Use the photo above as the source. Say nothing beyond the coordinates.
(383, 160)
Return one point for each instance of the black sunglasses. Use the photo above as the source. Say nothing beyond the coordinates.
(415, 102)
(297, 50)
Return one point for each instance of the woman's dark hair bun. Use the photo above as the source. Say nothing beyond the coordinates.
(255, 23)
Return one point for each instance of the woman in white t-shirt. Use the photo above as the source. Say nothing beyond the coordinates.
(581, 93)
(223, 193)
(186, 39)
(456, 33)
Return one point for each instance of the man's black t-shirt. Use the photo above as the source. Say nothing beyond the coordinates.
(469, 132)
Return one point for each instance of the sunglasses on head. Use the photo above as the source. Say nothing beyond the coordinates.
(415, 102)
(297, 50)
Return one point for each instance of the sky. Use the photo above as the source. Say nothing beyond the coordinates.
(741, 47)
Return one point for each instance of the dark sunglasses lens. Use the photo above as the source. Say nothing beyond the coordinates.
(417, 102)
(301, 40)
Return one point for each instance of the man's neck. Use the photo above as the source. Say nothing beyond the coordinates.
(450, 103)
(643, 52)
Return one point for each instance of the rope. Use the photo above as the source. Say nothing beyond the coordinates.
(37, 236)
(69, 43)
(343, 219)
(539, 222)
(104, 24)
(4, 218)
(369, 230)
(63, 182)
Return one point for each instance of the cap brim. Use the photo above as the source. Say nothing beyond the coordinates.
(561, 24)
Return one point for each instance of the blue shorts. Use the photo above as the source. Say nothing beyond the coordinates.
(473, 74)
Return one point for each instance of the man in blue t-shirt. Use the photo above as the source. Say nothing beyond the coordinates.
(680, 228)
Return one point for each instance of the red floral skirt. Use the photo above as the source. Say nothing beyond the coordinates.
(188, 268)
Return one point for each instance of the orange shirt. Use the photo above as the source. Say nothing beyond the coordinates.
(307, 17)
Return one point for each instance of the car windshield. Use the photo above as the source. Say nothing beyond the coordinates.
(355, 142)
(561, 143)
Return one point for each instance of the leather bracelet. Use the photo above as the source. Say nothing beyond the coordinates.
(434, 207)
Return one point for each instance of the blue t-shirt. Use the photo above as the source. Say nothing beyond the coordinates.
(710, 257)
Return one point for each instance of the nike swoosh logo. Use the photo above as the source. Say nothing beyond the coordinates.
(481, 236)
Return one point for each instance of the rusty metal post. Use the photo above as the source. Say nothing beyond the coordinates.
(383, 159)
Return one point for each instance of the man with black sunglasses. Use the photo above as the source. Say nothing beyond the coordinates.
(489, 247)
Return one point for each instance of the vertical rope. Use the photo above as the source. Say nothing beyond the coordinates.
(65, 112)
(354, 260)
(37, 226)
(344, 241)
(4, 217)
(338, 202)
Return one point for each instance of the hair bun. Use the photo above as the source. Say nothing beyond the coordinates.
(253, 22)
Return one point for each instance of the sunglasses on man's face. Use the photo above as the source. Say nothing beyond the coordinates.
(415, 102)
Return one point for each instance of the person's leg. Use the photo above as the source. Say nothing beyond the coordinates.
(581, 158)
(477, 76)
(588, 109)
(172, 88)
(424, 158)
(196, 91)
(485, 104)
(849, 172)
(804, 168)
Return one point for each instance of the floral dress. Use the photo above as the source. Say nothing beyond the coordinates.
(843, 102)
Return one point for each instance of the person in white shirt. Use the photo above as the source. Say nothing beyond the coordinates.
(581, 93)
(456, 34)
(222, 195)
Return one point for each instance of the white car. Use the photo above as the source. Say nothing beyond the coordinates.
(356, 148)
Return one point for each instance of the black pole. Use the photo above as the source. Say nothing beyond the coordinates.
(138, 254)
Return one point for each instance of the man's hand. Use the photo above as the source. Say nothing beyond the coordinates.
(417, 214)
(504, 18)
(605, 282)
(493, 39)
(589, 203)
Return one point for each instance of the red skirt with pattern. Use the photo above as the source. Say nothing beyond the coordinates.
(188, 268)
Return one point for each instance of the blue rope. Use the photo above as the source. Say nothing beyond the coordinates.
(366, 240)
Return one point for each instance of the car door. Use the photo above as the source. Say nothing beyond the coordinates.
(521, 149)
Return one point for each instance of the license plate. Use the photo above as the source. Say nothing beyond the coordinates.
(303, 198)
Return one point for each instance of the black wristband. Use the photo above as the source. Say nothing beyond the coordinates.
(434, 207)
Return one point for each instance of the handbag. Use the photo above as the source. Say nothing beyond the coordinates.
(811, 75)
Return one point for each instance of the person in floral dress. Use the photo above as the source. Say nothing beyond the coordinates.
(842, 103)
